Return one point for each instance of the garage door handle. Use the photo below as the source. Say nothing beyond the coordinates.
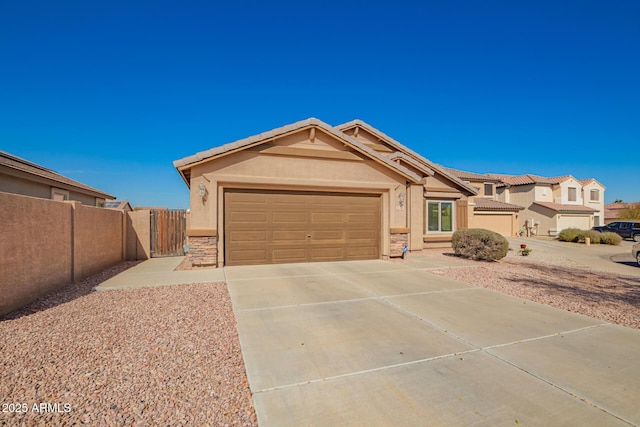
(308, 236)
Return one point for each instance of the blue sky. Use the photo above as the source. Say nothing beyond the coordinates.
(110, 93)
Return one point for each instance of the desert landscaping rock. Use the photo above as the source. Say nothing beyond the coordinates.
(151, 356)
(557, 282)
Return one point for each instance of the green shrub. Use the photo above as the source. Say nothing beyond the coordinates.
(479, 244)
(569, 235)
(610, 238)
(594, 235)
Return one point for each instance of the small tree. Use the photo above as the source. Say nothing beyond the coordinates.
(630, 212)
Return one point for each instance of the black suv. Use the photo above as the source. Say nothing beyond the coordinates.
(626, 229)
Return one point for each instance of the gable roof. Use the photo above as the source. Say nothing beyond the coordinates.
(184, 165)
(118, 204)
(47, 175)
(408, 152)
(471, 176)
(485, 204)
(566, 208)
(527, 179)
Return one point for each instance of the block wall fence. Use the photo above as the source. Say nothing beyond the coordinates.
(46, 244)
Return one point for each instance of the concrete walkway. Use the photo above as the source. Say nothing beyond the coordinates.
(160, 272)
(380, 343)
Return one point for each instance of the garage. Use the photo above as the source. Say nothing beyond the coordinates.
(583, 222)
(500, 223)
(273, 227)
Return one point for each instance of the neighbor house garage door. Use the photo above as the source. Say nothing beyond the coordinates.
(495, 222)
(583, 222)
(270, 227)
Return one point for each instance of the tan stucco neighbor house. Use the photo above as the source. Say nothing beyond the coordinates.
(485, 210)
(309, 191)
(553, 204)
(20, 176)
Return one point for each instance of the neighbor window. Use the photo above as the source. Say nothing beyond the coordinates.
(59, 195)
(488, 189)
(595, 195)
(439, 217)
(572, 194)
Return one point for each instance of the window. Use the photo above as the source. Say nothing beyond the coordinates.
(439, 217)
(594, 195)
(625, 225)
(614, 225)
(59, 195)
(488, 189)
(572, 194)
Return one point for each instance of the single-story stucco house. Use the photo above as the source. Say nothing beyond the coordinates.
(309, 191)
(20, 176)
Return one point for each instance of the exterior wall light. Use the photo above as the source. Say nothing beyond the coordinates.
(202, 190)
(401, 197)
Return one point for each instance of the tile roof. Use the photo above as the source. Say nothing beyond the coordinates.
(406, 150)
(485, 204)
(612, 210)
(257, 139)
(471, 176)
(20, 164)
(566, 208)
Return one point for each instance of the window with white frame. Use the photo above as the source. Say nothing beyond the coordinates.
(594, 195)
(439, 217)
(573, 194)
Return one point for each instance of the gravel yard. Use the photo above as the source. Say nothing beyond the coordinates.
(151, 356)
(555, 281)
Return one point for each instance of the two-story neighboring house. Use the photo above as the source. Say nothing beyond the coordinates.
(553, 204)
(484, 209)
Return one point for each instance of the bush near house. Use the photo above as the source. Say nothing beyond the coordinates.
(593, 235)
(578, 236)
(569, 235)
(479, 244)
(610, 238)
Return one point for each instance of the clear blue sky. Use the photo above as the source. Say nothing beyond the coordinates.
(110, 93)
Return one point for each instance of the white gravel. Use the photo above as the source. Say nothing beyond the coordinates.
(153, 356)
(555, 281)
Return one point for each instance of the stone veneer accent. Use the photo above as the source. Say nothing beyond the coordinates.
(398, 241)
(203, 251)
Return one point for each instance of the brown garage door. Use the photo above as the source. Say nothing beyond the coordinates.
(271, 227)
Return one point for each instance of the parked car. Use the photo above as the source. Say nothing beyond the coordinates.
(626, 229)
(635, 251)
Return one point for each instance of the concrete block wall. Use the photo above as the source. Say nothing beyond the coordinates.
(47, 244)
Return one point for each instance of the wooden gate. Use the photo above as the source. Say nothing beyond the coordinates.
(168, 231)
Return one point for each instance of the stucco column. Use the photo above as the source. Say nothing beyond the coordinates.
(416, 217)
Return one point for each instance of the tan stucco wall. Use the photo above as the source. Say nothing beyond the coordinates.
(598, 205)
(253, 169)
(46, 244)
(35, 249)
(138, 235)
(98, 236)
(20, 185)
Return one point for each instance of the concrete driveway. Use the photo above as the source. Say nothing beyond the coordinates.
(382, 343)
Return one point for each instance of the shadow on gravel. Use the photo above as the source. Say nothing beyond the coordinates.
(69, 292)
(603, 287)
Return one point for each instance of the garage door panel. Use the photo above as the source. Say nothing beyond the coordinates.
(333, 253)
(300, 227)
(289, 217)
(361, 252)
(289, 236)
(249, 236)
(499, 223)
(248, 217)
(283, 255)
(327, 217)
(239, 256)
(369, 235)
(319, 236)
